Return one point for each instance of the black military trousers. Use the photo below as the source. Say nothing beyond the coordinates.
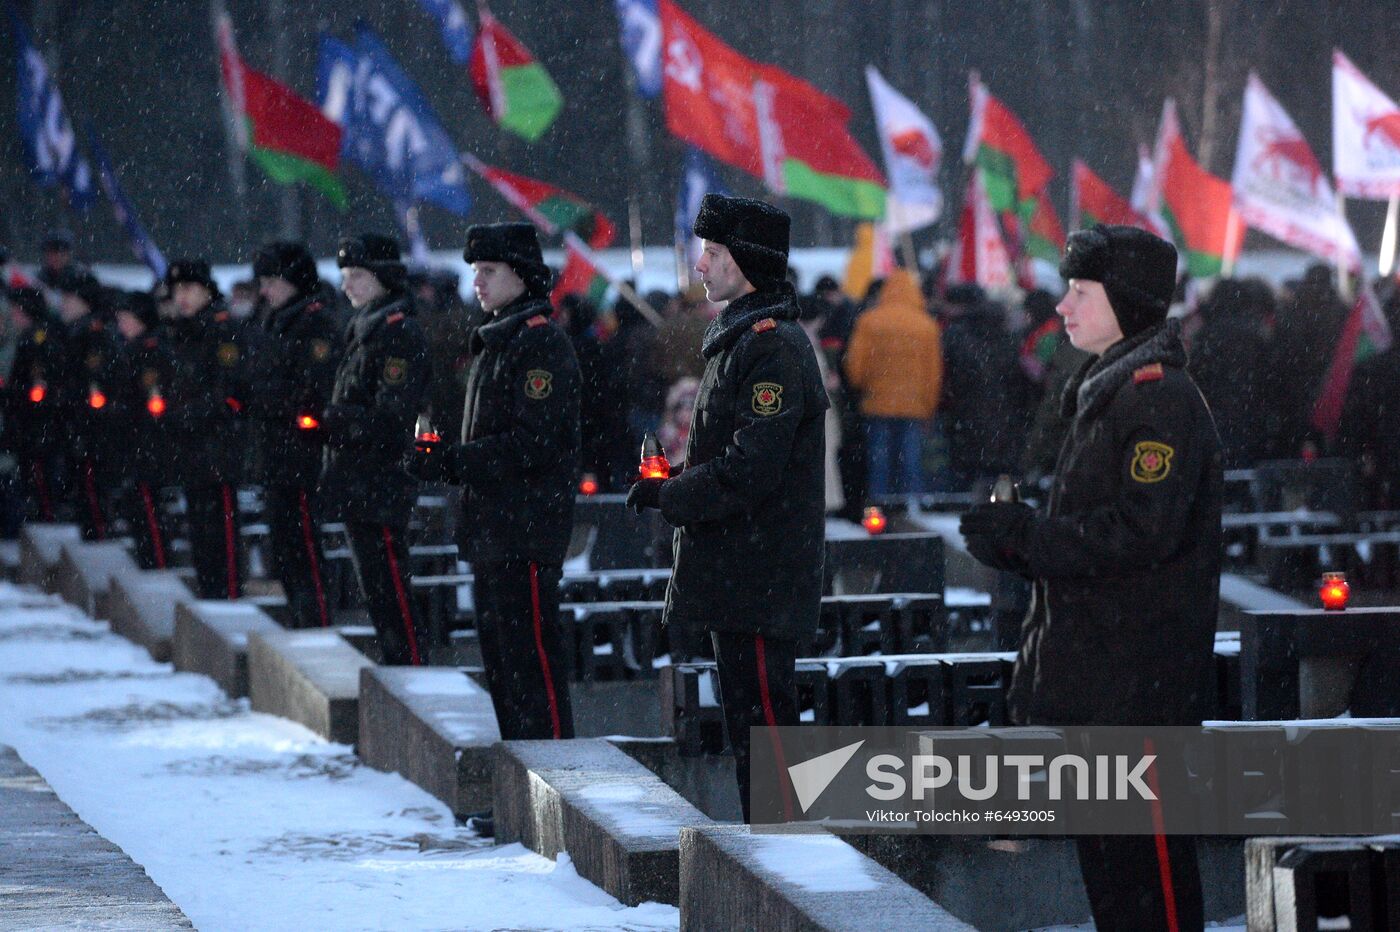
(527, 671)
(212, 515)
(40, 486)
(758, 689)
(1142, 882)
(380, 555)
(297, 560)
(91, 498)
(140, 505)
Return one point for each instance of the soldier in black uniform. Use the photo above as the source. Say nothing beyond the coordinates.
(145, 370)
(33, 426)
(516, 460)
(1126, 560)
(749, 506)
(89, 370)
(296, 366)
(204, 423)
(380, 386)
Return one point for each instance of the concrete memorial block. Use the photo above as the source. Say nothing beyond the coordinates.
(85, 572)
(1288, 661)
(433, 725)
(40, 549)
(734, 879)
(619, 823)
(211, 637)
(60, 874)
(309, 676)
(1292, 881)
(141, 608)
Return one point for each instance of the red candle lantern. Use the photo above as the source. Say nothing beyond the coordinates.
(96, 400)
(654, 464)
(588, 485)
(155, 404)
(37, 392)
(1335, 591)
(307, 422)
(874, 520)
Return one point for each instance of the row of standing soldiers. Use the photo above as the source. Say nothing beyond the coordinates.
(108, 404)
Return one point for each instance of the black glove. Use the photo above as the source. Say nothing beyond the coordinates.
(426, 467)
(645, 493)
(1002, 521)
(989, 552)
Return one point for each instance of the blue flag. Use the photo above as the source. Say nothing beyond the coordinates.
(142, 245)
(698, 178)
(457, 32)
(388, 129)
(641, 40)
(50, 144)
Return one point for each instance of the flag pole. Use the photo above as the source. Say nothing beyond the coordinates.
(1386, 264)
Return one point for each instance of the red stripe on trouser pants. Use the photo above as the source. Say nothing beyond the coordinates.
(152, 524)
(402, 597)
(539, 649)
(772, 722)
(230, 542)
(1164, 864)
(310, 542)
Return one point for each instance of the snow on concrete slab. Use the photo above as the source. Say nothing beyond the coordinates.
(819, 863)
(248, 821)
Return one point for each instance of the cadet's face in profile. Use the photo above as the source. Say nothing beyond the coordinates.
(1090, 322)
(360, 286)
(720, 274)
(496, 285)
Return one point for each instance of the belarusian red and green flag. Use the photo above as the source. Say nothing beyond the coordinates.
(1014, 173)
(1093, 201)
(514, 88)
(1364, 334)
(556, 211)
(1196, 206)
(763, 121)
(287, 136)
(1045, 237)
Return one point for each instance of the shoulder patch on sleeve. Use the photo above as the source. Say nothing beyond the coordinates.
(1152, 461)
(320, 349)
(764, 325)
(227, 354)
(767, 398)
(538, 384)
(395, 370)
(394, 317)
(539, 320)
(1148, 373)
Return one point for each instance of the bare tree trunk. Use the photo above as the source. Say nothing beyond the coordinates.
(1216, 13)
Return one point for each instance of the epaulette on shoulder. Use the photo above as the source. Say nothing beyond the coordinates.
(1152, 372)
(221, 316)
(764, 325)
(539, 320)
(95, 326)
(314, 306)
(394, 317)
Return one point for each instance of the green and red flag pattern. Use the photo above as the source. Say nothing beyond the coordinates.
(548, 207)
(513, 87)
(286, 135)
(1045, 237)
(1364, 334)
(808, 151)
(1013, 171)
(1094, 202)
(1196, 206)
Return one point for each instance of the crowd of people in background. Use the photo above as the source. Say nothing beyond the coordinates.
(933, 388)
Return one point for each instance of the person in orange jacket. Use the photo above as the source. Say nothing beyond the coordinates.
(895, 360)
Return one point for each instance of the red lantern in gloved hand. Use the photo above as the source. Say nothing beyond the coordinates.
(654, 463)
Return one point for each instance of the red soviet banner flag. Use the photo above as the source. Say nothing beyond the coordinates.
(708, 91)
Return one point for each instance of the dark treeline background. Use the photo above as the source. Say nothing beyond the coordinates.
(1086, 76)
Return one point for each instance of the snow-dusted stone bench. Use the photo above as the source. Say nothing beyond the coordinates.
(141, 608)
(40, 549)
(733, 879)
(616, 820)
(310, 676)
(60, 874)
(85, 572)
(433, 725)
(211, 637)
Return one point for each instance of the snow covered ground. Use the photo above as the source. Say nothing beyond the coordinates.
(248, 821)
